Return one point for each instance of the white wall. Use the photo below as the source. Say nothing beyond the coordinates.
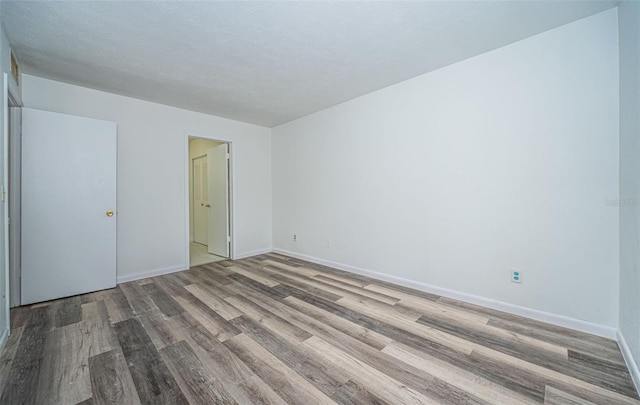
(501, 161)
(152, 211)
(629, 323)
(197, 148)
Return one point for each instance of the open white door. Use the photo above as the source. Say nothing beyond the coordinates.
(68, 205)
(218, 179)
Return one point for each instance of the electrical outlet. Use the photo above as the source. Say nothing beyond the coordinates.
(516, 276)
(295, 237)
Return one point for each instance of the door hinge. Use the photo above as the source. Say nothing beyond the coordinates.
(2, 193)
(228, 238)
(227, 156)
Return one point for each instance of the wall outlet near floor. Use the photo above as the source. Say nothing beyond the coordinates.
(516, 276)
(295, 237)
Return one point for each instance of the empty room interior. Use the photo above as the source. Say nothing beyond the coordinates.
(279, 202)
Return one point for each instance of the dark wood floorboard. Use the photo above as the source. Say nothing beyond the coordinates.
(111, 381)
(200, 385)
(271, 329)
(150, 374)
(25, 369)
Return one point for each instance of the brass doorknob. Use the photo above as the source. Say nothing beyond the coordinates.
(109, 213)
(208, 205)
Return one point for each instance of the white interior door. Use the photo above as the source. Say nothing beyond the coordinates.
(200, 201)
(68, 205)
(218, 168)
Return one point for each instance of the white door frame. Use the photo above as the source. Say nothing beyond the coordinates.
(232, 200)
(5, 212)
(10, 99)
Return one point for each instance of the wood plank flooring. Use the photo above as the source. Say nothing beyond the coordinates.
(273, 330)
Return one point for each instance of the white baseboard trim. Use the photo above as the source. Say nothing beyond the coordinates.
(4, 338)
(150, 273)
(632, 364)
(559, 320)
(244, 255)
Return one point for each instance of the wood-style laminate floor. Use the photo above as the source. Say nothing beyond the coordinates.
(272, 330)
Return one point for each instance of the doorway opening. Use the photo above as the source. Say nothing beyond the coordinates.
(209, 201)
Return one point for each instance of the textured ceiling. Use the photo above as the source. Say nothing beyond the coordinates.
(264, 62)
